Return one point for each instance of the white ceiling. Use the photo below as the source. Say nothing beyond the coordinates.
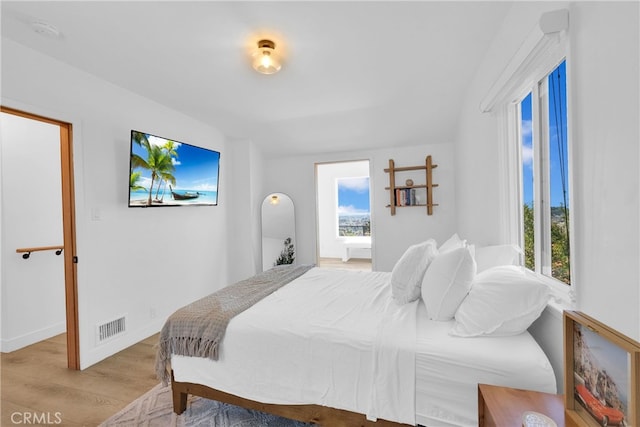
(356, 75)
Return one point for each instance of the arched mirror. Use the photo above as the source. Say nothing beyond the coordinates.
(278, 231)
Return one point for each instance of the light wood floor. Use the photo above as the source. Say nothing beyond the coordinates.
(35, 380)
(352, 264)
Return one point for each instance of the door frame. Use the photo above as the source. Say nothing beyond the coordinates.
(317, 165)
(68, 231)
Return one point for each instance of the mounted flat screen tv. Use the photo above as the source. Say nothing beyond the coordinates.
(165, 172)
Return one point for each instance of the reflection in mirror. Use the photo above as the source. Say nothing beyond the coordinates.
(278, 230)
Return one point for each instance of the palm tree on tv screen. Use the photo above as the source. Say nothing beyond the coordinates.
(134, 179)
(159, 161)
(136, 161)
(171, 150)
(166, 178)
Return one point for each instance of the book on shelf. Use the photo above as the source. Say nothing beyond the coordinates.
(406, 197)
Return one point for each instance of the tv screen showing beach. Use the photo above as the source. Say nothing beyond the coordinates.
(165, 172)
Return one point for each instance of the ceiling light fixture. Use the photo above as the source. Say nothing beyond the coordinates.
(265, 60)
(274, 199)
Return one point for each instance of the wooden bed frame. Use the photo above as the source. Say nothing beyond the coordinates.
(316, 414)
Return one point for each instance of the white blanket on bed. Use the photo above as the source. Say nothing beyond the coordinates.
(357, 350)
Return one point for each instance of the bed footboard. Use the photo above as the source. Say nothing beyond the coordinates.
(316, 414)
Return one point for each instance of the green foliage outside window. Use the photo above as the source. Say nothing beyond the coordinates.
(560, 264)
(529, 239)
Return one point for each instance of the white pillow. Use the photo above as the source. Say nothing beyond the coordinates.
(447, 282)
(496, 255)
(453, 242)
(407, 273)
(503, 301)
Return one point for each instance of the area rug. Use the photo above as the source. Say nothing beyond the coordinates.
(155, 408)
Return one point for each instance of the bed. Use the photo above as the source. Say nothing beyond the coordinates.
(334, 347)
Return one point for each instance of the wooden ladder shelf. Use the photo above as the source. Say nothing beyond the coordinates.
(394, 201)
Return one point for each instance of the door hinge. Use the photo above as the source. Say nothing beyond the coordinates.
(75, 259)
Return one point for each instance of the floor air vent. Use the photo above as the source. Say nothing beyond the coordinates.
(111, 329)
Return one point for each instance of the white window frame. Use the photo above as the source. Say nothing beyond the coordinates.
(542, 194)
(539, 55)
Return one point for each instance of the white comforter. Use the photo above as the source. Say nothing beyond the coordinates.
(337, 338)
(332, 338)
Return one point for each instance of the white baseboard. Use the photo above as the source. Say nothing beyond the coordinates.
(13, 344)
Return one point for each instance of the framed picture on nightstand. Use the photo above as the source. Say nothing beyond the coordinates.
(601, 375)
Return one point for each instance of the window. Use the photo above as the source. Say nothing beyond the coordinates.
(354, 217)
(544, 176)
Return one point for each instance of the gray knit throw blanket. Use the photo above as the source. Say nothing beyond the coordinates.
(198, 328)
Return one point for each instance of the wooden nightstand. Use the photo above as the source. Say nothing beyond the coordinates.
(504, 406)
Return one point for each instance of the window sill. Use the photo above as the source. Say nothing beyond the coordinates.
(348, 239)
(562, 297)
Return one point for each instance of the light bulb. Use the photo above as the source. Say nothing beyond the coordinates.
(265, 60)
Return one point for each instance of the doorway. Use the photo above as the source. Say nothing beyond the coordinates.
(38, 225)
(344, 223)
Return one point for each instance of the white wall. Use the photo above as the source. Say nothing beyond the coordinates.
(606, 112)
(243, 190)
(33, 303)
(391, 234)
(144, 263)
(603, 84)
